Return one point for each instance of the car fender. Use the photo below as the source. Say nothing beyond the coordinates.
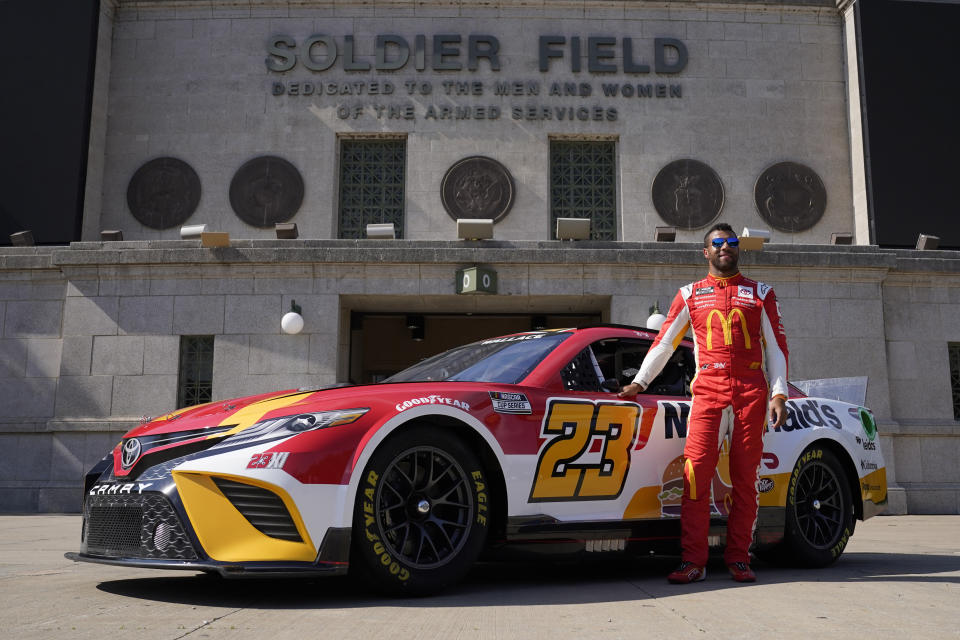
(809, 422)
(380, 432)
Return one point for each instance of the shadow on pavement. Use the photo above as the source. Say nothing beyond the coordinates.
(606, 579)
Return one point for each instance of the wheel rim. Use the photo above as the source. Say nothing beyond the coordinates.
(424, 507)
(819, 506)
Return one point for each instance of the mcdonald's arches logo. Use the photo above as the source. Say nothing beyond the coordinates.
(726, 325)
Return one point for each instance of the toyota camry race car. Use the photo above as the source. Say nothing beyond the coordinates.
(514, 441)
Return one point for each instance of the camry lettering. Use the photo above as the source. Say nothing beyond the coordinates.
(416, 402)
(118, 489)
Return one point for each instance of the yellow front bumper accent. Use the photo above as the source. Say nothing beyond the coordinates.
(223, 531)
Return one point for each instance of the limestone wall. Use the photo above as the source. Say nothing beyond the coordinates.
(764, 83)
(89, 333)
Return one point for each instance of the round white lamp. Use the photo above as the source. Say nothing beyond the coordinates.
(655, 321)
(292, 321)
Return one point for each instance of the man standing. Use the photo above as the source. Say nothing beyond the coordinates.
(737, 332)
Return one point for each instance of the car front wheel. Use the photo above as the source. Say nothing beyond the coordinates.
(420, 517)
(820, 516)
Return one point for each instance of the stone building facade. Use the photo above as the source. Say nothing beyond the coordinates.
(91, 333)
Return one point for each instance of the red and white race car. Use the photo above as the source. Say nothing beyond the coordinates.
(509, 441)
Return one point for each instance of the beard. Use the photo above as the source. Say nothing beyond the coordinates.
(725, 263)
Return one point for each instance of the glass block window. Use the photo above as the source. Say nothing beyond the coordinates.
(195, 384)
(583, 185)
(371, 184)
(954, 350)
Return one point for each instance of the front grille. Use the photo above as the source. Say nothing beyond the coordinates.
(135, 526)
(262, 508)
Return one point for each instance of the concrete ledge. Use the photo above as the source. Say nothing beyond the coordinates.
(81, 254)
(896, 502)
(932, 498)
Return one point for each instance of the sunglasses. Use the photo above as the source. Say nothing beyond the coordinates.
(731, 242)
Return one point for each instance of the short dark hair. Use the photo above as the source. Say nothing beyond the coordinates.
(720, 226)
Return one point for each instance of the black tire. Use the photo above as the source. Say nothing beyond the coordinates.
(820, 517)
(421, 514)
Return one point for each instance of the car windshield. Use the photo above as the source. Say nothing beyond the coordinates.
(508, 360)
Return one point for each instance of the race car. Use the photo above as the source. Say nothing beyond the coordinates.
(513, 442)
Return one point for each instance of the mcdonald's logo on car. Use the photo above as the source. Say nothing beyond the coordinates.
(726, 325)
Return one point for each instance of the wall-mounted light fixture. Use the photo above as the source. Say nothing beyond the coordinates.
(665, 234)
(927, 243)
(753, 239)
(192, 231)
(286, 230)
(573, 228)
(111, 235)
(655, 320)
(22, 239)
(416, 324)
(475, 228)
(292, 322)
(381, 231)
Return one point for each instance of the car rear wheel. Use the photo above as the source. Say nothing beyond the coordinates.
(820, 516)
(420, 517)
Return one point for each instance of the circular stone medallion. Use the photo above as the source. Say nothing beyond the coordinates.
(790, 196)
(477, 187)
(163, 193)
(687, 194)
(265, 191)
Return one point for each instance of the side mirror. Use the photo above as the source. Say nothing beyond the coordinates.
(611, 384)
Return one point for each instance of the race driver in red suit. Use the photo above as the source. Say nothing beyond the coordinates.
(741, 354)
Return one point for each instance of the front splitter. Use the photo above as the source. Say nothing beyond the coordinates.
(227, 570)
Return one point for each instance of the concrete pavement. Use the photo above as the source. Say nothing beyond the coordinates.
(899, 577)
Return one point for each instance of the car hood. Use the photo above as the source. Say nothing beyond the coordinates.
(202, 426)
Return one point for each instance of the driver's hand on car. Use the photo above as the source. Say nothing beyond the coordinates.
(630, 390)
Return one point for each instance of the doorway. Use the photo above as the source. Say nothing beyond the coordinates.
(381, 344)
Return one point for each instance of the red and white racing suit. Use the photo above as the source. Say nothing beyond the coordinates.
(737, 332)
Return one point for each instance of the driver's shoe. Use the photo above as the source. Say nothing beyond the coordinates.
(741, 572)
(686, 573)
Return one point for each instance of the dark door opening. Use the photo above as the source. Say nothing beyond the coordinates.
(382, 344)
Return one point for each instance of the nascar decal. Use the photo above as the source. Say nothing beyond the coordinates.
(431, 399)
(587, 453)
(504, 402)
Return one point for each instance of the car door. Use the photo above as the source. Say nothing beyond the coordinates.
(603, 457)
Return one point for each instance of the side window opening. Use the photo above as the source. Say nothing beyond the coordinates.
(620, 359)
(676, 376)
(580, 374)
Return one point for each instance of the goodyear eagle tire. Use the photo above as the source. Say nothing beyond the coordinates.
(420, 518)
(820, 515)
